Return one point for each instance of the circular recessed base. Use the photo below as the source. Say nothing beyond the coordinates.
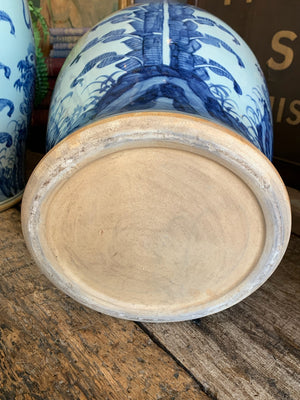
(156, 216)
(4, 205)
(153, 228)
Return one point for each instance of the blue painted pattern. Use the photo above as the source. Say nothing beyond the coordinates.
(26, 15)
(6, 18)
(6, 69)
(162, 56)
(17, 74)
(12, 164)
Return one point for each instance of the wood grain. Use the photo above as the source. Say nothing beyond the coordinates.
(53, 348)
(250, 351)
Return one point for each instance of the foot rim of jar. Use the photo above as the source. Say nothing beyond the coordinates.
(173, 131)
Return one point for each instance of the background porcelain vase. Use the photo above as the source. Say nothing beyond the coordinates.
(160, 204)
(17, 73)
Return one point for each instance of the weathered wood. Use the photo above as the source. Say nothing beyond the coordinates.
(250, 351)
(53, 348)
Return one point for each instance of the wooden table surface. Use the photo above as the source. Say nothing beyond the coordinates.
(53, 348)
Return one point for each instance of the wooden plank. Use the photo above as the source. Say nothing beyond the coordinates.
(53, 348)
(250, 351)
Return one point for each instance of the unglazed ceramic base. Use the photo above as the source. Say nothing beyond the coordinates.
(156, 216)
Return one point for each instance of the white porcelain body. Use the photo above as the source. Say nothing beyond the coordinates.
(17, 73)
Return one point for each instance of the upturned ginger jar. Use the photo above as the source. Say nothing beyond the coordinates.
(157, 200)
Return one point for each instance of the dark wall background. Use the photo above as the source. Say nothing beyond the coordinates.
(272, 30)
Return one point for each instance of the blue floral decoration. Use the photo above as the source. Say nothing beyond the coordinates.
(150, 75)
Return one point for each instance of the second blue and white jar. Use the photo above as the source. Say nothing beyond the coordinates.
(157, 200)
(17, 75)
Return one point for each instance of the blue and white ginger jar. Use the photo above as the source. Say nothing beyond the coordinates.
(17, 74)
(163, 56)
(157, 200)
